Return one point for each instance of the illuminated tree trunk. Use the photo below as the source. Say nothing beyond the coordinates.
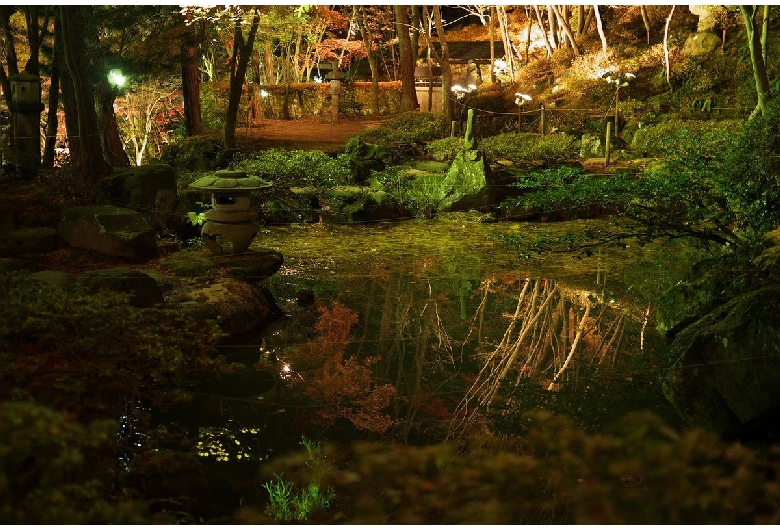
(110, 141)
(646, 21)
(368, 42)
(566, 29)
(757, 56)
(601, 30)
(544, 31)
(242, 50)
(408, 90)
(446, 69)
(190, 80)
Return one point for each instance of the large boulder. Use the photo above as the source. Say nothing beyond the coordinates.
(468, 184)
(109, 230)
(142, 288)
(36, 240)
(701, 43)
(592, 146)
(722, 372)
(253, 266)
(149, 189)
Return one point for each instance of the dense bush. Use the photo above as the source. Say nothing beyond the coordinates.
(56, 471)
(526, 147)
(444, 149)
(722, 192)
(297, 168)
(673, 138)
(196, 153)
(408, 128)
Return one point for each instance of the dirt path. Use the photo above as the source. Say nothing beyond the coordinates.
(307, 134)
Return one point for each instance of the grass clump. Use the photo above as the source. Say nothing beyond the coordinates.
(288, 503)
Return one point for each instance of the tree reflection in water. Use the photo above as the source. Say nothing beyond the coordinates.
(553, 331)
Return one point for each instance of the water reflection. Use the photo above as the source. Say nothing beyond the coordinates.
(459, 331)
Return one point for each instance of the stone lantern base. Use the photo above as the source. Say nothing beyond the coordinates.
(240, 228)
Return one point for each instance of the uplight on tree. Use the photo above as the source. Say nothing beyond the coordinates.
(116, 78)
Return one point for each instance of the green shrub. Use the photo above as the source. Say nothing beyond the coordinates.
(420, 195)
(213, 106)
(526, 147)
(297, 168)
(408, 128)
(55, 471)
(675, 138)
(444, 149)
(196, 153)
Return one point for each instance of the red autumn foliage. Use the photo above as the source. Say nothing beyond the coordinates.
(342, 388)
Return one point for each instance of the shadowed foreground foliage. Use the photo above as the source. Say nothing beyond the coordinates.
(644, 473)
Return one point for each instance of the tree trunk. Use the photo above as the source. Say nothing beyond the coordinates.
(544, 31)
(52, 119)
(646, 21)
(110, 141)
(242, 50)
(756, 57)
(503, 26)
(601, 30)
(580, 20)
(492, 44)
(368, 44)
(91, 161)
(190, 80)
(446, 69)
(666, 49)
(553, 27)
(566, 29)
(408, 90)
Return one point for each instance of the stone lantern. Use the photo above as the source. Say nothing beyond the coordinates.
(26, 110)
(230, 216)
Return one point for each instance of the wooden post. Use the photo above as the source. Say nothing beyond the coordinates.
(606, 147)
(617, 112)
(520, 119)
(541, 121)
(453, 128)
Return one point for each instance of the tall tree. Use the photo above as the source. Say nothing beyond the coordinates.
(190, 78)
(242, 51)
(91, 161)
(52, 120)
(408, 90)
(446, 68)
(564, 24)
(367, 34)
(757, 44)
(600, 27)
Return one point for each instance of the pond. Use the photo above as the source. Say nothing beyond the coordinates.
(457, 322)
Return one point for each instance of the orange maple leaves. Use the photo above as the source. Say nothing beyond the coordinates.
(342, 388)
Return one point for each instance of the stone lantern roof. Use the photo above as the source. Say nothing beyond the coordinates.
(230, 181)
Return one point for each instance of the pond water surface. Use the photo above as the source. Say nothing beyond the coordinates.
(457, 322)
